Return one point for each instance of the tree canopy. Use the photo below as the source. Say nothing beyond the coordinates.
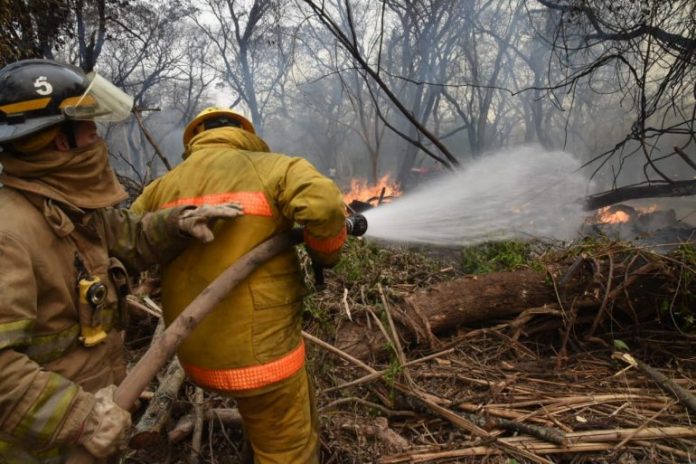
(367, 88)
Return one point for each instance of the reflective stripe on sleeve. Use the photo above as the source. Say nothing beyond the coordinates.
(45, 415)
(326, 245)
(15, 333)
(254, 203)
(40, 348)
(46, 348)
(247, 378)
(14, 454)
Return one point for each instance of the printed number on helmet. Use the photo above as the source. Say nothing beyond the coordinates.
(43, 87)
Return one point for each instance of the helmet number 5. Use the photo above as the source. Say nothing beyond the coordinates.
(43, 87)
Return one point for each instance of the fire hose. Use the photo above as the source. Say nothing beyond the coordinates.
(161, 351)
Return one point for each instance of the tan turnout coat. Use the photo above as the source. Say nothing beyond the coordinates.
(45, 369)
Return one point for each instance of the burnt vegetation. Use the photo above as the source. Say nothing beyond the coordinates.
(589, 360)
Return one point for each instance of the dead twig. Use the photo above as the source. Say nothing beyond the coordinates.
(427, 401)
(378, 374)
(198, 413)
(384, 410)
(684, 157)
(603, 306)
(185, 425)
(151, 140)
(667, 385)
(395, 338)
(582, 442)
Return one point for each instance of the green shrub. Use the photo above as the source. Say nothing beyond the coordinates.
(496, 256)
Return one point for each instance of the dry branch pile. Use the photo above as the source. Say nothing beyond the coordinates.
(537, 379)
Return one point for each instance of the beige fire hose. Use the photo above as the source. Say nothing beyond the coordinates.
(166, 345)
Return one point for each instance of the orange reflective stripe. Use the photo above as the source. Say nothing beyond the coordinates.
(254, 203)
(246, 378)
(326, 245)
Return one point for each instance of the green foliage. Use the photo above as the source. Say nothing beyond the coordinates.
(620, 345)
(393, 371)
(496, 256)
(357, 258)
(679, 305)
(32, 29)
(364, 262)
(313, 311)
(686, 254)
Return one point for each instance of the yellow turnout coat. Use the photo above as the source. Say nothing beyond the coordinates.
(251, 341)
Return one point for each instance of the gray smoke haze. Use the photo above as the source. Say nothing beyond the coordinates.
(522, 193)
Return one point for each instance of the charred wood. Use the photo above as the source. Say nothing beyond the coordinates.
(448, 305)
(657, 190)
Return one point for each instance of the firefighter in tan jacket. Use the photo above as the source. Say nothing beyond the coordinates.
(63, 257)
(250, 346)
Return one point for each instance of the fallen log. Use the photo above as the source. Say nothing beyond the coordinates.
(448, 305)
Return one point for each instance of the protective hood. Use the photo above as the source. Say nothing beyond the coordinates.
(80, 177)
(230, 137)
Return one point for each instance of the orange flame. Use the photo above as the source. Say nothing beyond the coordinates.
(605, 216)
(361, 191)
(608, 215)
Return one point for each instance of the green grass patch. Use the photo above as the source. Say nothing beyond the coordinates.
(497, 256)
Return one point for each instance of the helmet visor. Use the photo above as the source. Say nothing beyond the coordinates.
(102, 101)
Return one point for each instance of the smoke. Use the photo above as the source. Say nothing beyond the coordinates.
(522, 194)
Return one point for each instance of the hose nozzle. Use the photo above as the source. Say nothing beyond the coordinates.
(356, 225)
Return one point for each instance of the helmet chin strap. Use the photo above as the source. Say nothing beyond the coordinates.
(68, 129)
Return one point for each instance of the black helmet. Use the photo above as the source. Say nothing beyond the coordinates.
(36, 94)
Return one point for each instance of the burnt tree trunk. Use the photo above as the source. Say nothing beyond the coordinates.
(447, 305)
(660, 190)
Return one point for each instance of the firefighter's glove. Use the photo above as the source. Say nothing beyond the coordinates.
(106, 428)
(196, 222)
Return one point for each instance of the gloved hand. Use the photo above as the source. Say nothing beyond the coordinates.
(106, 427)
(196, 222)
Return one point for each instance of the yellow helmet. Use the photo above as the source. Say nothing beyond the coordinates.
(213, 117)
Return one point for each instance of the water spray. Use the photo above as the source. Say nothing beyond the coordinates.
(524, 193)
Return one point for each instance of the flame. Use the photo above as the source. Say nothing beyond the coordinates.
(361, 191)
(609, 215)
(605, 216)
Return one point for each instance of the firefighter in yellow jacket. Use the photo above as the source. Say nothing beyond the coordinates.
(63, 257)
(250, 346)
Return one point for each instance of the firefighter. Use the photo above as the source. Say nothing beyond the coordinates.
(64, 251)
(250, 346)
